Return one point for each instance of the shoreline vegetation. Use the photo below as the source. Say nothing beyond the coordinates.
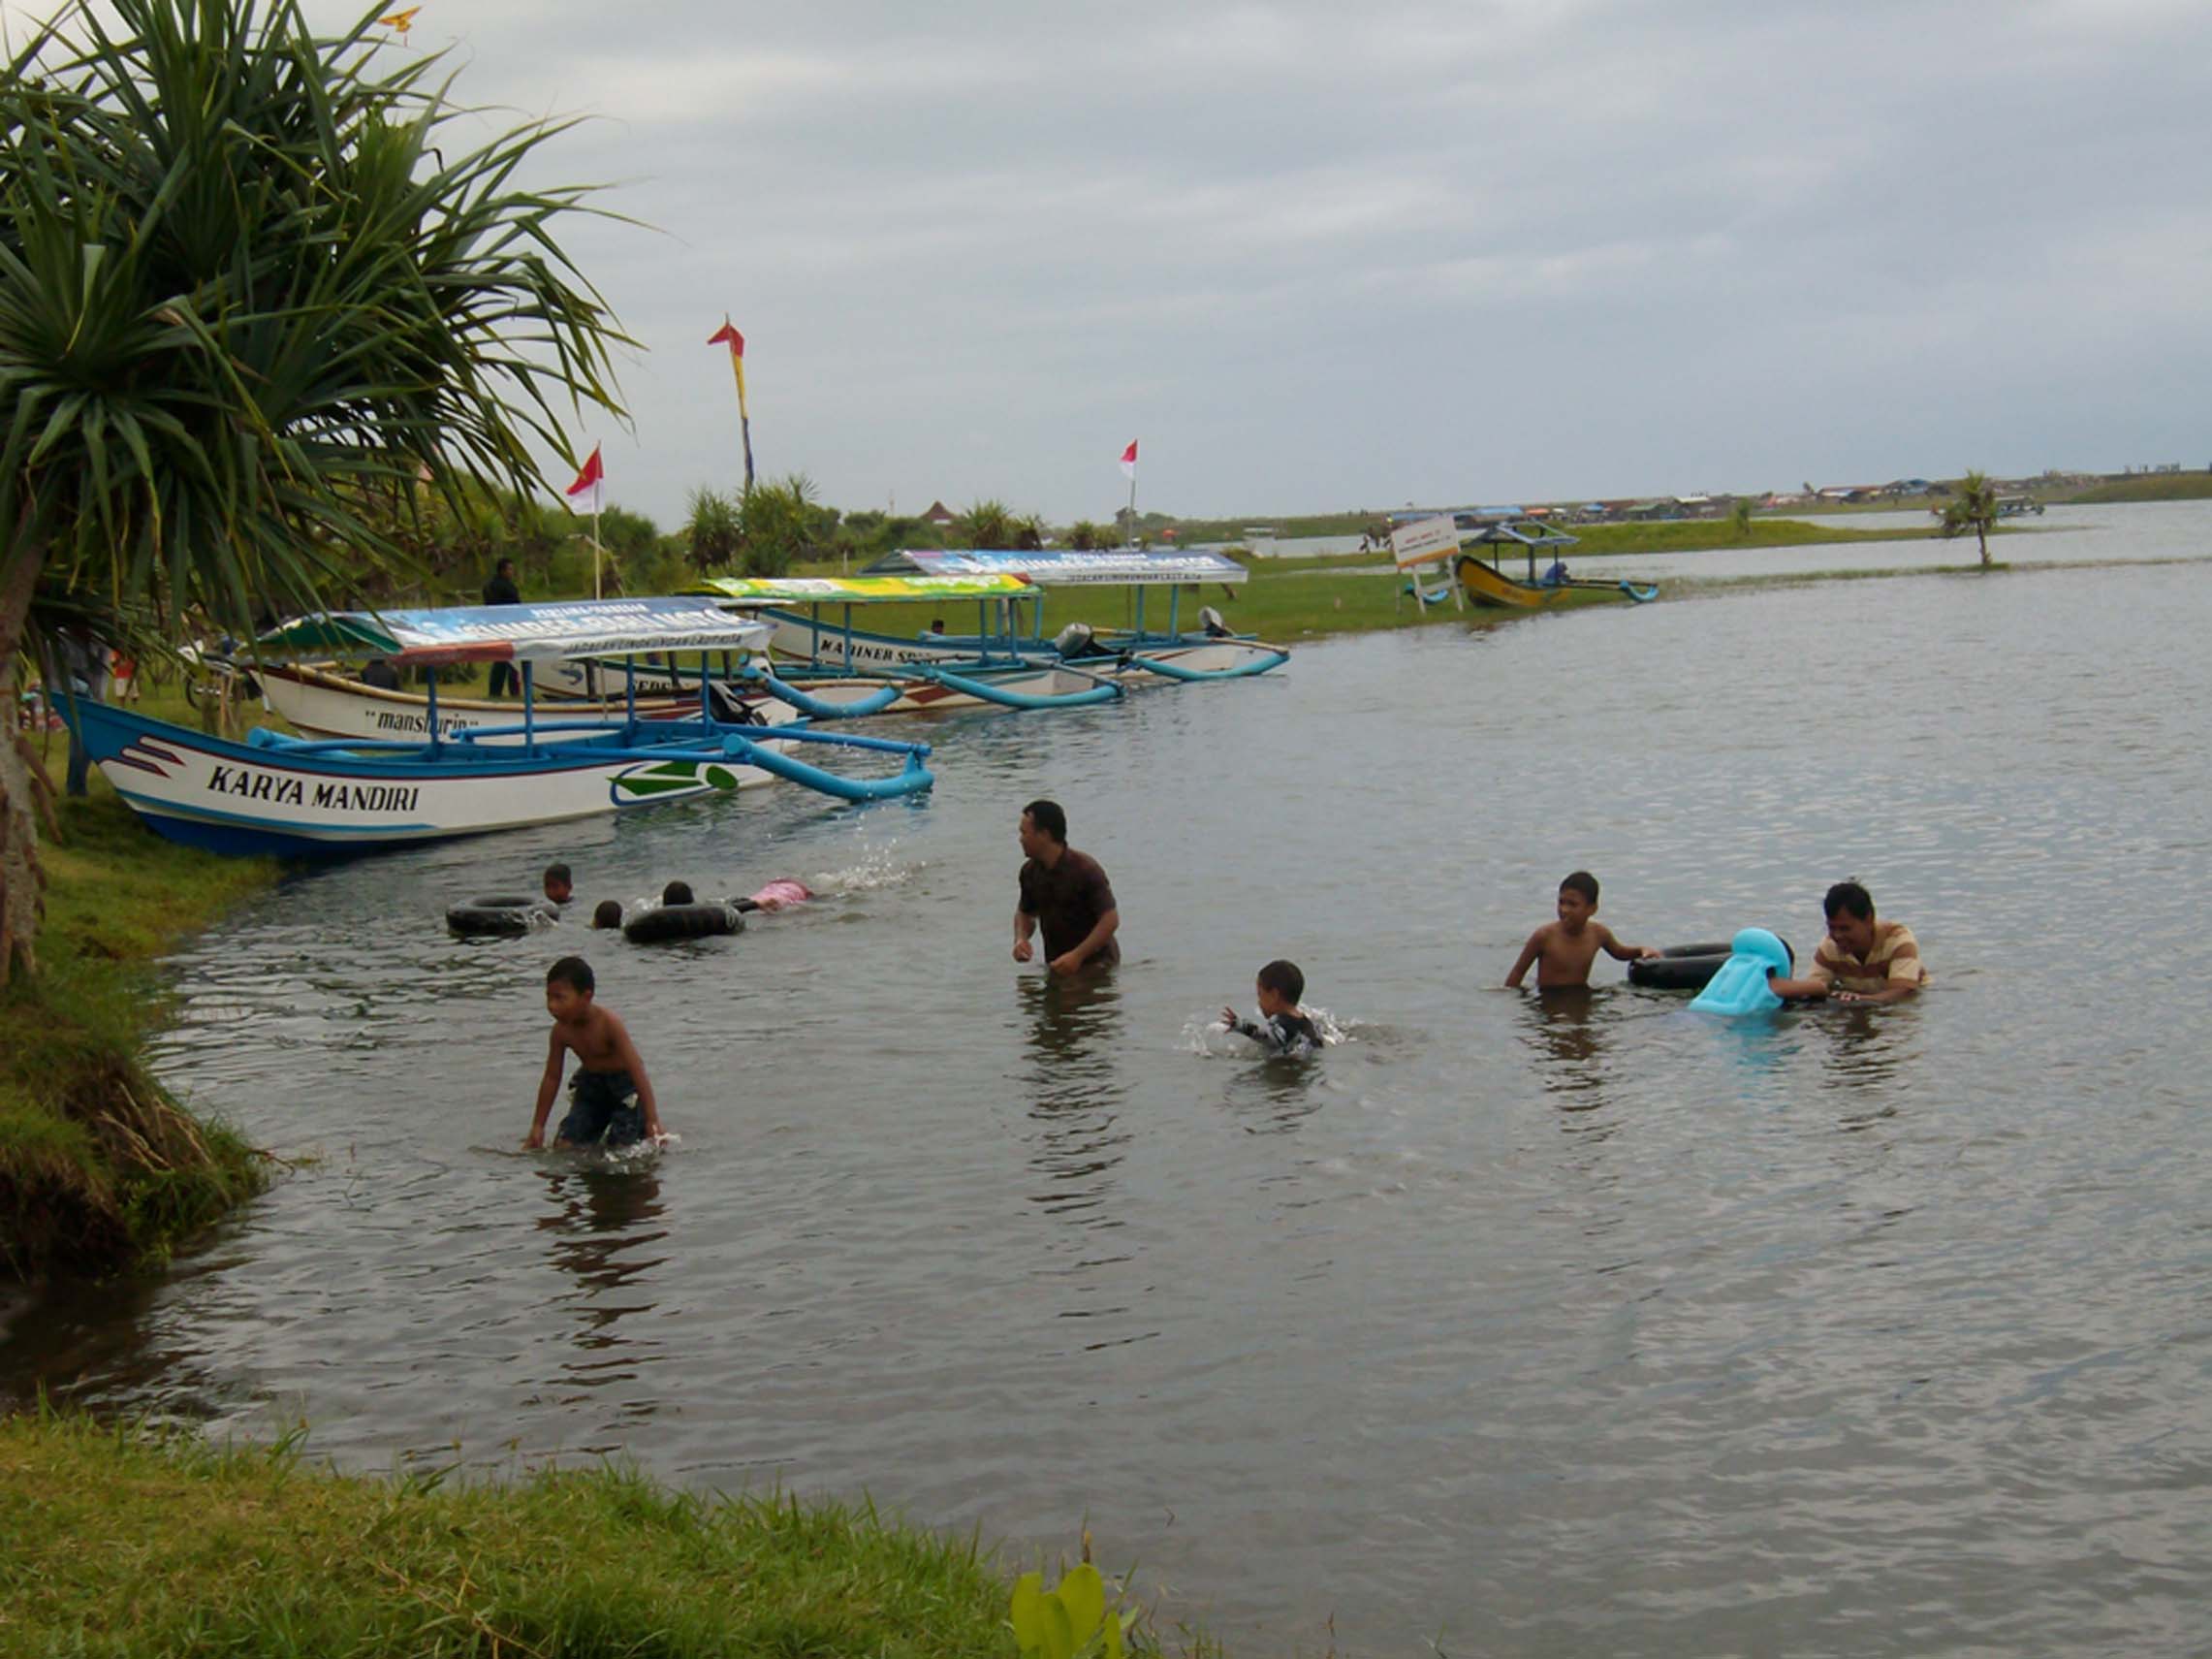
(119, 1541)
(102, 1172)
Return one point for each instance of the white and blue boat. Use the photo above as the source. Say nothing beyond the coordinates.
(326, 798)
(1012, 622)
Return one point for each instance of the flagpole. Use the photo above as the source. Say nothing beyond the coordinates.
(744, 414)
(1132, 541)
(597, 491)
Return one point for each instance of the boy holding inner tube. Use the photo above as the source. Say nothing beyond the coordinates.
(1563, 950)
(611, 1103)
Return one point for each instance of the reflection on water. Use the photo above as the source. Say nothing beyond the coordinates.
(603, 1231)
(1515, 1325)
(1075, 1037)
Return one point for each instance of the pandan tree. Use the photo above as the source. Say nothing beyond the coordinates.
(1973, 507)
(780, 523)
(987, 524)
(711, 529)
(259, 286)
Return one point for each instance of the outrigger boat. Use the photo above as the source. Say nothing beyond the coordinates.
(1133, 654)
(1484, 583)
(1007, 661)
(994, 598)
(321, 703)
(326, 798)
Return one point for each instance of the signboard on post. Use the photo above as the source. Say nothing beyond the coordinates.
(1424, 541)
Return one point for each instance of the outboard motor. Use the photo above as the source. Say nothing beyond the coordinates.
(1211, 619)
(1075, 640)
(730, 706)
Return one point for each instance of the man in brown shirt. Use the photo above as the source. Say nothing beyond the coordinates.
(1065, 893)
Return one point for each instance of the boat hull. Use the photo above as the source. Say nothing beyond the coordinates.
(272, 798)
(1490, 588)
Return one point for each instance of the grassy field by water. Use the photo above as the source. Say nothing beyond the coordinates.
(116, 1545)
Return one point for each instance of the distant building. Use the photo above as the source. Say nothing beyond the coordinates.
(939, 514)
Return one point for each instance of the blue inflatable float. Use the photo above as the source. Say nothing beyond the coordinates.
(1740, 987)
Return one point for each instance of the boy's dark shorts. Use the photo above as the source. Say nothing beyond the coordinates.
(603, 1107)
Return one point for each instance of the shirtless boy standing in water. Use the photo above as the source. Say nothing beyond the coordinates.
(1565, 950)
(612, 1100)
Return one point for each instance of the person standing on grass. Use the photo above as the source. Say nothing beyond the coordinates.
(1064, 893)
(501, 590)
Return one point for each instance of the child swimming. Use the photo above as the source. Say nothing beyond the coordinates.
(1283, 1028)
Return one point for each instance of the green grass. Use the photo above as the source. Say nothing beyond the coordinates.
(118, 1544)
(101, 1171)
(2149, 487)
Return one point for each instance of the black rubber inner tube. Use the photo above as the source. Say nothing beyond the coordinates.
(503, 917)
(683, 921)
(1685, 966)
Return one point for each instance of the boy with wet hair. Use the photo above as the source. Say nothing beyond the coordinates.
(1283, 1028)
(1565, 950)
(607, 914)
(559, 888)
(677, 893)
(611, 1103)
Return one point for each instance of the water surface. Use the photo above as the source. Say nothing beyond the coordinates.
(1530, 1326)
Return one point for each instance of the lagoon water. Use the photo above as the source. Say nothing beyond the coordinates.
(1516, 1326)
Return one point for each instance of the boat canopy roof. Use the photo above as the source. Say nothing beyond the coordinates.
(523, 634)
(862, 590)
(1117, 567)
(1520, 535)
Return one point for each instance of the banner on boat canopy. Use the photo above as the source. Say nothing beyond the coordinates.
(523, 633)
(1424, 542)
(1118, 567)
(862, 590)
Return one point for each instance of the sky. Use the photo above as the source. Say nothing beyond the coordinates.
(1322, 257)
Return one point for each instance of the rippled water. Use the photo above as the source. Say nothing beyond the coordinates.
(1567, 1327)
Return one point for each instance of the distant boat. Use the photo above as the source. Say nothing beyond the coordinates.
(1484, 583)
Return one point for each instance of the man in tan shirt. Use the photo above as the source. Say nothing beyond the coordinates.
(1861, 960)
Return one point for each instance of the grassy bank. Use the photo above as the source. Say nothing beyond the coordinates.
(2149, 487)
(100, 1171)
(116, 1545)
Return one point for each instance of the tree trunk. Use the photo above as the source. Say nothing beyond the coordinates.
(25, 792)
(1982, 529)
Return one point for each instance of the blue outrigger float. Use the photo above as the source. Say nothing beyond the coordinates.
(328, 798)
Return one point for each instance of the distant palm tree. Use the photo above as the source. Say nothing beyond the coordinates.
(256, 286)
(1973, 507)
(779, 524)
(711, 529)
(989, 524)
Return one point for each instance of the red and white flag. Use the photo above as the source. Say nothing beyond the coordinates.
(585, 494)
(1130, 460)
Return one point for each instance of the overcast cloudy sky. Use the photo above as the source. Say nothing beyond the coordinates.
(1321, 256)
